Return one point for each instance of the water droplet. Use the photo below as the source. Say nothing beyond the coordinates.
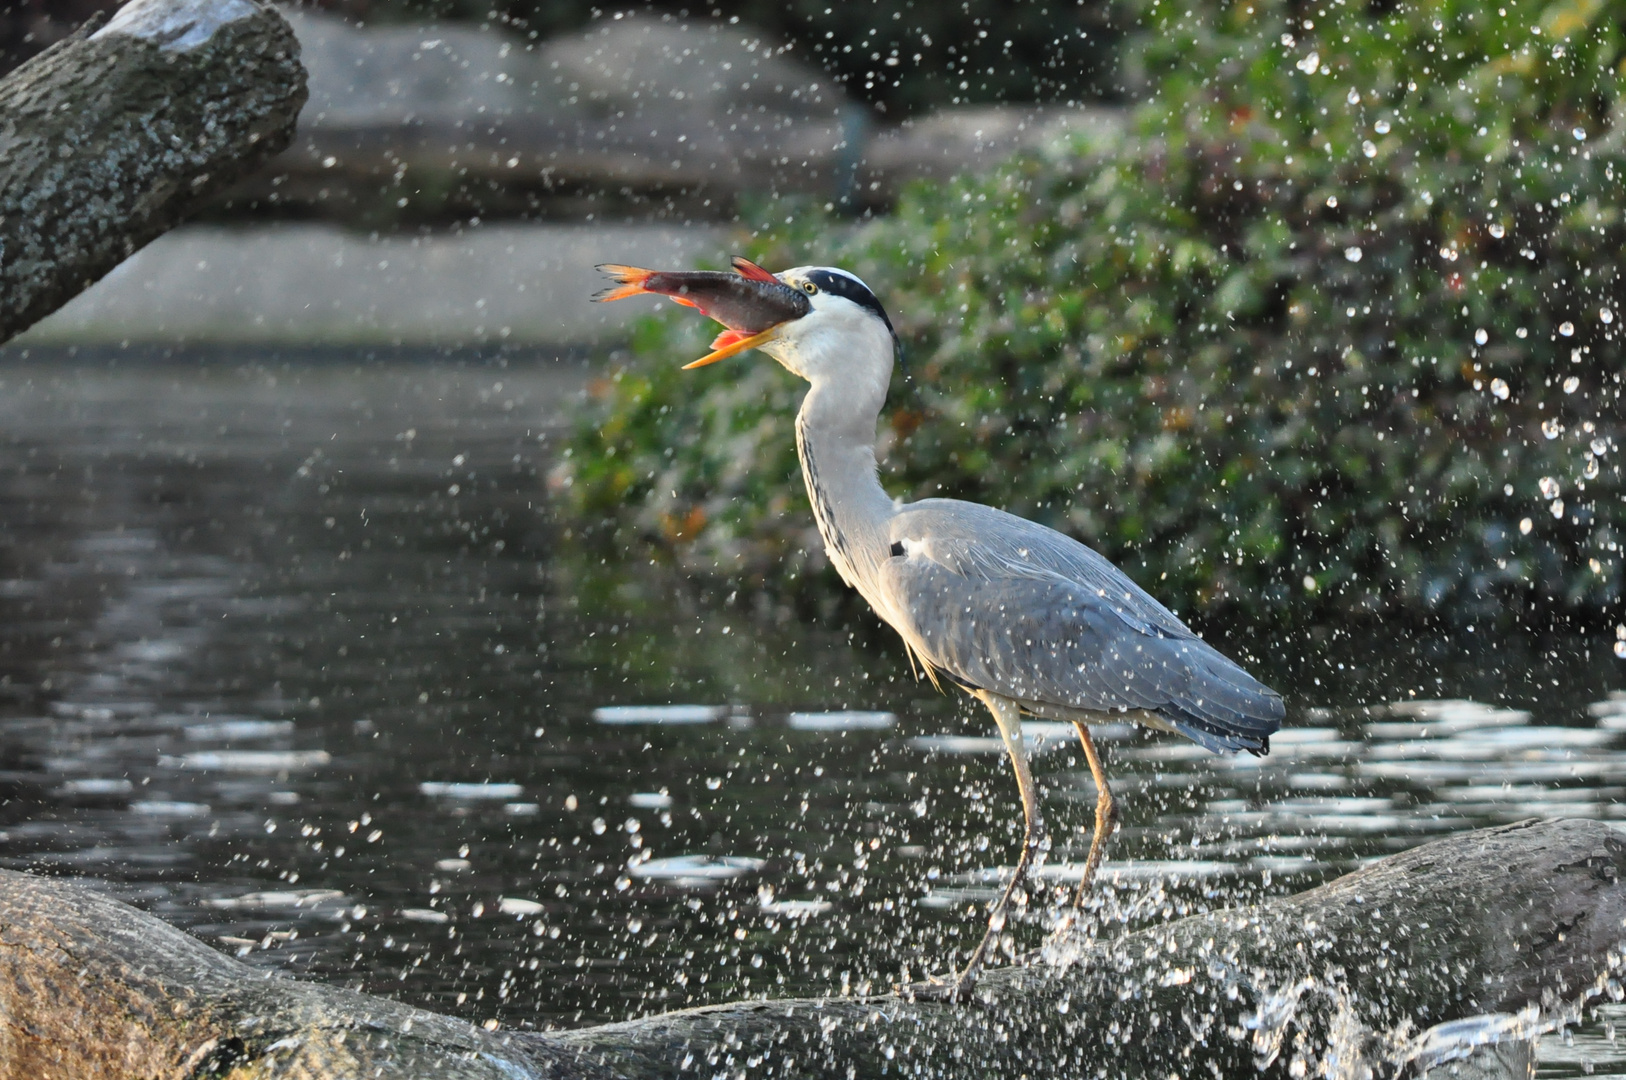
(1591, 470)
(1551, 428)
(1353, 97)
(1558, 508)
(1525, 526)
(1570, 384)
(1566, 328)
(1381, 127)
(1497, 231)
(1600, 446)
(1500, 388)
(1606, 316)
(1521, 333)
(1310, 64)
(1353, 254)
(1309, 583)
(1480, 337)
(1549, 487)
(1369, 148)
(1620, 649)
(1332, 200)
(1579, 133)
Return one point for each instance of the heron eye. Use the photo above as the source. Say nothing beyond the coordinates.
(810, 287)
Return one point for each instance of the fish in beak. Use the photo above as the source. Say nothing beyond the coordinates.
(751, 303)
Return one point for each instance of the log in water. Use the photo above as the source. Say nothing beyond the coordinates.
(1489, 921)
(115, 135)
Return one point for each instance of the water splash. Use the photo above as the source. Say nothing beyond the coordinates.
(1458, 1040)
(1330, 1040)
(1275, 1015)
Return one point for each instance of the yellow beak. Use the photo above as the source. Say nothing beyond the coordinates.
(738, 345)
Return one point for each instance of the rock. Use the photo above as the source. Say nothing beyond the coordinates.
(1333, 981)
(384, 76)
(638, 112)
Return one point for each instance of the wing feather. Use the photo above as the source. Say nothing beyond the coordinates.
(1004, 604)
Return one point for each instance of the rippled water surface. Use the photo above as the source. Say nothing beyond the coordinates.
(292, 656)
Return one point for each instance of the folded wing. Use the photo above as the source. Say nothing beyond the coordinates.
(1001, 603)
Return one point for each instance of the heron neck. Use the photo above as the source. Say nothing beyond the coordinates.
(835, 439)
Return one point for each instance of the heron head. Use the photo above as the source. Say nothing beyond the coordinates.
(812, 319)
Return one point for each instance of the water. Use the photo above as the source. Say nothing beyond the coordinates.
(292, 656)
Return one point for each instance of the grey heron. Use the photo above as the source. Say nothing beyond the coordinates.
(1017, 615)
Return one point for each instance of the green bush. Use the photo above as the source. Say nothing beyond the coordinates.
(1337, 321)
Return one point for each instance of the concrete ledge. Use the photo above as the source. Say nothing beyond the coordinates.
(317, 284)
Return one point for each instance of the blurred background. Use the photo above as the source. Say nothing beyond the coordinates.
(338, 524)
(428, 121)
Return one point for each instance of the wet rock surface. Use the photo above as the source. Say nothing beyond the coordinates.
(1342, 976)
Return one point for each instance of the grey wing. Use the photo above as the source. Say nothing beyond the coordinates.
(1000, 603)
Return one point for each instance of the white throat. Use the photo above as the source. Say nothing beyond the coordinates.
(847, 357)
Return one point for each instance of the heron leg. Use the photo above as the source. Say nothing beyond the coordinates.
(1106, 813)
(1009, 719)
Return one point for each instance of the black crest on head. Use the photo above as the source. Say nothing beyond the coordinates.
(842, 284)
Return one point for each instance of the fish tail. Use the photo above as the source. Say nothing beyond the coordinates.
(630, 278)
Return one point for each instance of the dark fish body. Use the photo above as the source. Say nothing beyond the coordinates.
(747, 304)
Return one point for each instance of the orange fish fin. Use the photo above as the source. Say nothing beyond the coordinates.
(630, 278)
(748, 269)
(727, 338)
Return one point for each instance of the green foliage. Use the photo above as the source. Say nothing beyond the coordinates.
(1337, 321)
